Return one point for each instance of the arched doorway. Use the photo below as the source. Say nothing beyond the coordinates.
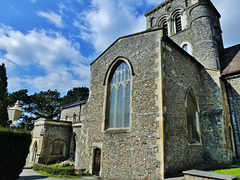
(96, 161)
(34, 152)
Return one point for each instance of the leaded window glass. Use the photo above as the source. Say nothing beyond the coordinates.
(119, 87)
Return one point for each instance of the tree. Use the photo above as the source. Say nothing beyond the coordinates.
(3, 96)
(75, 94)
(45, 104)
(26, 118)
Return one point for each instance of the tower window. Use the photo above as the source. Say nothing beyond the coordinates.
(165, 27)
(152, 22)
(185, 47)
(178, 22)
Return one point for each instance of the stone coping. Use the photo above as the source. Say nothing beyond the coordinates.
(209, 175)
(43, 121)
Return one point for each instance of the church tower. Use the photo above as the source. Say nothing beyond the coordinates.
(194, 25)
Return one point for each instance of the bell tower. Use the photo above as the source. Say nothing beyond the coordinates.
(194, 25)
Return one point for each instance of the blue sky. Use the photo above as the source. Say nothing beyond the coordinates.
(49, 44)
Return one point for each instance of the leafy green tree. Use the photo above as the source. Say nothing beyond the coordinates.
(26, 119)
(3, 96)
(75, 94)
(45, 104)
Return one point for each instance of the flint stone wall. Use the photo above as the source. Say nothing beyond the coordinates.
(127, 154)
(54, 130)
(181, 74)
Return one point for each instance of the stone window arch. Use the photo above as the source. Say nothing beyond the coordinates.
(152, 22)
(177, 22)
(118, 95)
(58, 148)
(192, 114)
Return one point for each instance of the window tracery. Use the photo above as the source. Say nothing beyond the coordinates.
(119, 97)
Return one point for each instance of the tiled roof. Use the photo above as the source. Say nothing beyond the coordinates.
(233, 66)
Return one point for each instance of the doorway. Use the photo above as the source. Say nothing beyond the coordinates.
(96, 161)
(34, 152)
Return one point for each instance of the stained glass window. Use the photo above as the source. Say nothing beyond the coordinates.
(120, 97)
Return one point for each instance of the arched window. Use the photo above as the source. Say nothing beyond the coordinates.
(118, 104)
(185, 47)
(34, 152)
(152, 22)
(66, 118)
(164, 25)
(74, 117)
(57, 148)
(192, 118)
(178, 22)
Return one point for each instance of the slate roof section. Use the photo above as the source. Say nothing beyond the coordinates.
(76, 103)
(233, 67)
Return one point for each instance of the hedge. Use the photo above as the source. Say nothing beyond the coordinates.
(54, 171)
(14, 148)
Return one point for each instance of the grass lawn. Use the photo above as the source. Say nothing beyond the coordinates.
(54, 166)
(58, 176)
(61, 176)
(230, 171)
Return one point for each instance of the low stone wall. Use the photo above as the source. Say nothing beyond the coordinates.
(198, 175)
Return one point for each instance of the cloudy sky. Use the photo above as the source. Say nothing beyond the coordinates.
(49, 44)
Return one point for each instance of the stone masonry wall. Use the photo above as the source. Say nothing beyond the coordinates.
(233, 86)
(55, 130)
(180, 75)
(126, 154)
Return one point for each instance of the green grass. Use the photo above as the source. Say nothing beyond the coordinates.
(230, 171)
(59, 176)
(54, 166)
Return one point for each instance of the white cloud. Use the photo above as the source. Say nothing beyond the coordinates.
(108, 20)
(60, 61)
(52, 17)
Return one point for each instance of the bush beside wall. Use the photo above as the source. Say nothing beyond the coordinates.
(54, 171)
(14, 148)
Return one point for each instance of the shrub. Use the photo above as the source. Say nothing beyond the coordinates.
(13, 152)
(52, 170)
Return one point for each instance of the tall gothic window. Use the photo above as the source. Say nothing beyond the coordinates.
(178, 22)
(192, 119)
(119, 97)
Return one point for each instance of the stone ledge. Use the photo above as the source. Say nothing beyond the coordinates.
(207, 175)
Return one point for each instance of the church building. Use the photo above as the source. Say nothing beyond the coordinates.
(161, 101)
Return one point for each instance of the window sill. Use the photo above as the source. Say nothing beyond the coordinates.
(195, 144)
(117, 130)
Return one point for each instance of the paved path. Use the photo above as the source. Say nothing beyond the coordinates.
(29, 174)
